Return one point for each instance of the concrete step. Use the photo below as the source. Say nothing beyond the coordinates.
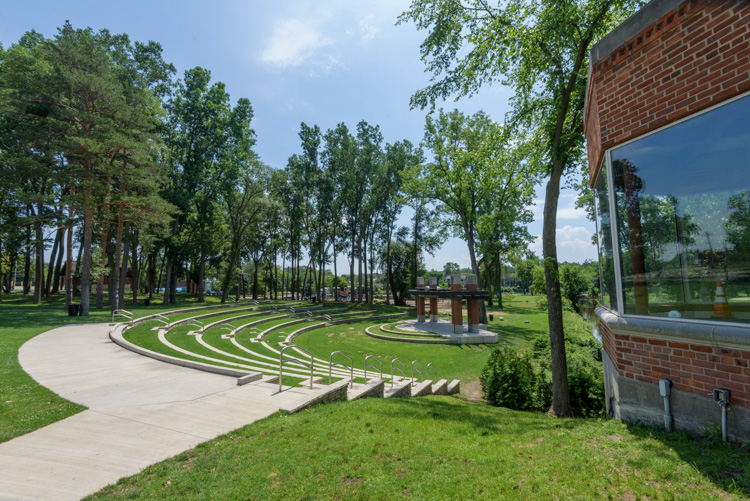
(453, 387)
(400, 388)
(440, 387)
(250, 378)
(422, 389)
(333, 393)
(373, 388)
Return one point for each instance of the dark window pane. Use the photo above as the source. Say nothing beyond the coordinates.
(683, 216)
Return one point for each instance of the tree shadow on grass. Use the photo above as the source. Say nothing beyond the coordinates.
(726, 465)
(484, 418)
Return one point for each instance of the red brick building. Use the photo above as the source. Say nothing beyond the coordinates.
(667, 125)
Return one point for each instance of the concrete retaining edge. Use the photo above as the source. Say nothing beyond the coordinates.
(116, 335)
(296, 333)
(334, 393)
(410, 340)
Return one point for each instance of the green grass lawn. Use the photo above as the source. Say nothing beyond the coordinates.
(463, 362)
(442, 448)
(25, 405)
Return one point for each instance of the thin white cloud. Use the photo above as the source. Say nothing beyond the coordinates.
(368, 30)
(292, 42)
(566, 208)
(574, 244)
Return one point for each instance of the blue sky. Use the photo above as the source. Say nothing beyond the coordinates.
(319, 62)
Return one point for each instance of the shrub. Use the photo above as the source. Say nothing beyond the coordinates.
(585, 376)
(566, 304)
(509, 380)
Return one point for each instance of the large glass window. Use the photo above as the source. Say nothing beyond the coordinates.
(604, 241)
(682, 198)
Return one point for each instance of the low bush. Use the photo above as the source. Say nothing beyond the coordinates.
(510, 379)
(522, 381)
(566, 304)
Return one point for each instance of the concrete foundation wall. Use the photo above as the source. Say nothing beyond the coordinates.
(640, 402)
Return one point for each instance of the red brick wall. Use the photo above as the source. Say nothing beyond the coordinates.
(693, 368)
(691, 58)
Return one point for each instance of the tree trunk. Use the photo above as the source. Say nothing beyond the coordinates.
(27, 262)
(123, 273)
(173, 285)
(475, 269)
(69, 257)
(560, 395)
(167, 281)
(88, 230)
(102, 261)
(488, 279)
(201, 277)
(136, 273)
(388, 271)
(255, 279)
(38, 253)
(499, 281)
(58, 265)
(114, 286)
(52, 259)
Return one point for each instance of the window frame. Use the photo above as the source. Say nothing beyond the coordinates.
(614, 225)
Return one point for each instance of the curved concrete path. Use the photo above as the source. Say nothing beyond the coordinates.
(140, 411)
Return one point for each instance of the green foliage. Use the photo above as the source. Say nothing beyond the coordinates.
(566, 304)
(538, 284)
(509, 380)
(574, 283)
(585, 375)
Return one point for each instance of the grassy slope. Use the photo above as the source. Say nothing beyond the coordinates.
(25, 405)
(442, 448)
(463, 362)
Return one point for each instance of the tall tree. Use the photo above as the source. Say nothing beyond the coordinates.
(465, 175)
(540, 48)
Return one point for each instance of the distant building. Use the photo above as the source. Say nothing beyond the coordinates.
(668, 134)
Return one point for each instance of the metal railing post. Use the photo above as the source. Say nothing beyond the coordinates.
(283, 360)
(402, 370)
(351, 367)
(421, 374)
(380, 366)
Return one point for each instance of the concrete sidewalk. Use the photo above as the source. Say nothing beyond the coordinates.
(141, 411)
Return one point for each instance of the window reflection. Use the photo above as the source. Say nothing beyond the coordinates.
(682, 198)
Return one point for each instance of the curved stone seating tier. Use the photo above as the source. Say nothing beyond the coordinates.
(268, 362)
(432, 333)
(255, 358)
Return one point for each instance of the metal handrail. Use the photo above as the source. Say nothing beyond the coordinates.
(432, 368)
(159, 318)
(402, 370)
(351, 367)
(421, 374)
(256, 303)
(380, 366)
(283, 360)
(123, 313)
(195, 323)
(228, 327)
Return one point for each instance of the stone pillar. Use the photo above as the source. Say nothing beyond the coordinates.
(420, 300)
(457, 315)
(433, 301)
(472, 305)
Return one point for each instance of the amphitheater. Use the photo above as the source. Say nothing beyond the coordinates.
(159, 385)
(255, 344)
